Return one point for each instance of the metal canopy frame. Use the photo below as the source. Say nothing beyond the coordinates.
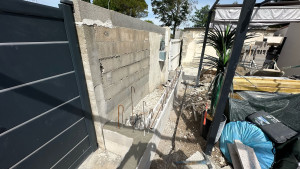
(205, 40)
(241, 31)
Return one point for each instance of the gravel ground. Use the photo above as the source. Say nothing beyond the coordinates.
(188, 139)
(151, 100)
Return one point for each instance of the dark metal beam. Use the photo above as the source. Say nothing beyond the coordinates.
(210, 12)
(241, 31)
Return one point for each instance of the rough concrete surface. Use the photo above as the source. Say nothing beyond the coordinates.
(101, 159)
(198, 157)
(84, 10)
(138, 147)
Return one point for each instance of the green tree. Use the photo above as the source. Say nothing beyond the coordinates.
(149, 21)
(171, 12)
(134, 8)
(200, 17)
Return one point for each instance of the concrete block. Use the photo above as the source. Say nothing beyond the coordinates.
(146, 34)
(126, 34)
(145, 63)
(124, 47)
(126, 59)
(139, 56)
(119, 74)
(138, 46)
(107, 79)
(146, 45)
(108, 65)
(139, 35)
(117, 143)
(134, 67)
(106, 34)
(106, 49)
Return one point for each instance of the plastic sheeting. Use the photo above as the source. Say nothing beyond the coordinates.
(251, 136)
(263, 16)
(285, 108)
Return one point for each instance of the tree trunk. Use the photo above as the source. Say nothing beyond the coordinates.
(174, 30)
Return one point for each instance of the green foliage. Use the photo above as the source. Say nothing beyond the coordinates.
(200, 17)
(134, 8)
(171, 12)
(149, 21)
(222, 41)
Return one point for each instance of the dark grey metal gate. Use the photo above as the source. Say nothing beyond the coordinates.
(45, 115)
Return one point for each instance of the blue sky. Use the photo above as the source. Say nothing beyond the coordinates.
(151, 16)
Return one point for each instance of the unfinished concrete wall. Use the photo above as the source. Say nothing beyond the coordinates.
(156, 67)
(116, 54)
(290, 54)
(193, 40)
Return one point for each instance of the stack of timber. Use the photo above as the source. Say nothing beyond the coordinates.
(266, 84)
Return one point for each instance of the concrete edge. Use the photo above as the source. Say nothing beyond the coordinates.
(150, 151)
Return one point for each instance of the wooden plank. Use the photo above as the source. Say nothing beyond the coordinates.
(246, 155)
(265, 78)
(267, 89)
(234, 156)
(268, 83)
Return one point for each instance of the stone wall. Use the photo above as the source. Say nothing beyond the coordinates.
(118, 52)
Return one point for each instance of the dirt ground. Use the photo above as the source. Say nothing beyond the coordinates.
(188, 139)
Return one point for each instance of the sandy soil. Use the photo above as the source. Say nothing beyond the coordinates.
(188, 139)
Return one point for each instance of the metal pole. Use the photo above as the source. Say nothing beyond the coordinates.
(205, 40)
(241, 31)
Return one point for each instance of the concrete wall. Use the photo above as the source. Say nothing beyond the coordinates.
(117, 51)
(157, 69)
(174, 55)
(193, 40)
(290, 54)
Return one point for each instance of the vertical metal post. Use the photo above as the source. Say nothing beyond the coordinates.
(205, 40)
(67, 9)
(241, 31)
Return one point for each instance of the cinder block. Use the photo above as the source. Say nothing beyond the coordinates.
(145, 63)
(139, 35)
(146, 34)
(138, 46)
(104, 34)
(126, 34)
(120, 73)
(134, 67)
(106, 49)
(107, 79)
(126, 59)
(108, 64)
(146, 45)
(124, 47)
(139, 56)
